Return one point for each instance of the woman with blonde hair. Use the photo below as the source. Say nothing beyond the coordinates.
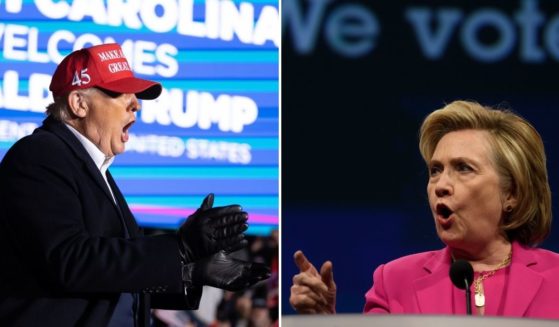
(489, 195)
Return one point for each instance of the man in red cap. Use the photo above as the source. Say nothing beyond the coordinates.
(72, 253)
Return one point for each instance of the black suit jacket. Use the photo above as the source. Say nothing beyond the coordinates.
(65, 254)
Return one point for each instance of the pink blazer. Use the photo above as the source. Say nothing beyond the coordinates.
(419, 284)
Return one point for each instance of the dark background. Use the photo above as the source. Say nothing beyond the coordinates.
(353, 181)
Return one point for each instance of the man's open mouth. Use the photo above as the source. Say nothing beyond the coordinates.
(125, 135)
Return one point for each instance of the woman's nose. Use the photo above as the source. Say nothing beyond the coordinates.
(444, 186)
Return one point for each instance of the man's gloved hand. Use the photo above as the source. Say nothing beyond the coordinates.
(222, 271)
(209, 230)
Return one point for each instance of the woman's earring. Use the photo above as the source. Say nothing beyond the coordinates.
(508, 208)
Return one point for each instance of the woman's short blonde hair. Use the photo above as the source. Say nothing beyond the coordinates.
(518, 155)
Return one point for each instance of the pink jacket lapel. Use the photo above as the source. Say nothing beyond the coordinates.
(524, 282)
(434, 291)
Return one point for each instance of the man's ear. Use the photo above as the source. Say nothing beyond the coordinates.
(77, 103)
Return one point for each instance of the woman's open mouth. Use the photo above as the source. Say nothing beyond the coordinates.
(444, 214)
(443, 210)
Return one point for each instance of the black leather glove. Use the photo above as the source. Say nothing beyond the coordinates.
(222, 271)
(209, 230)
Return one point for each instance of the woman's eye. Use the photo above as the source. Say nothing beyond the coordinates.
(464, 167)
(434, 170)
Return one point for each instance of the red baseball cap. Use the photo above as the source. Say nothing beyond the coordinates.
(102, 66)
